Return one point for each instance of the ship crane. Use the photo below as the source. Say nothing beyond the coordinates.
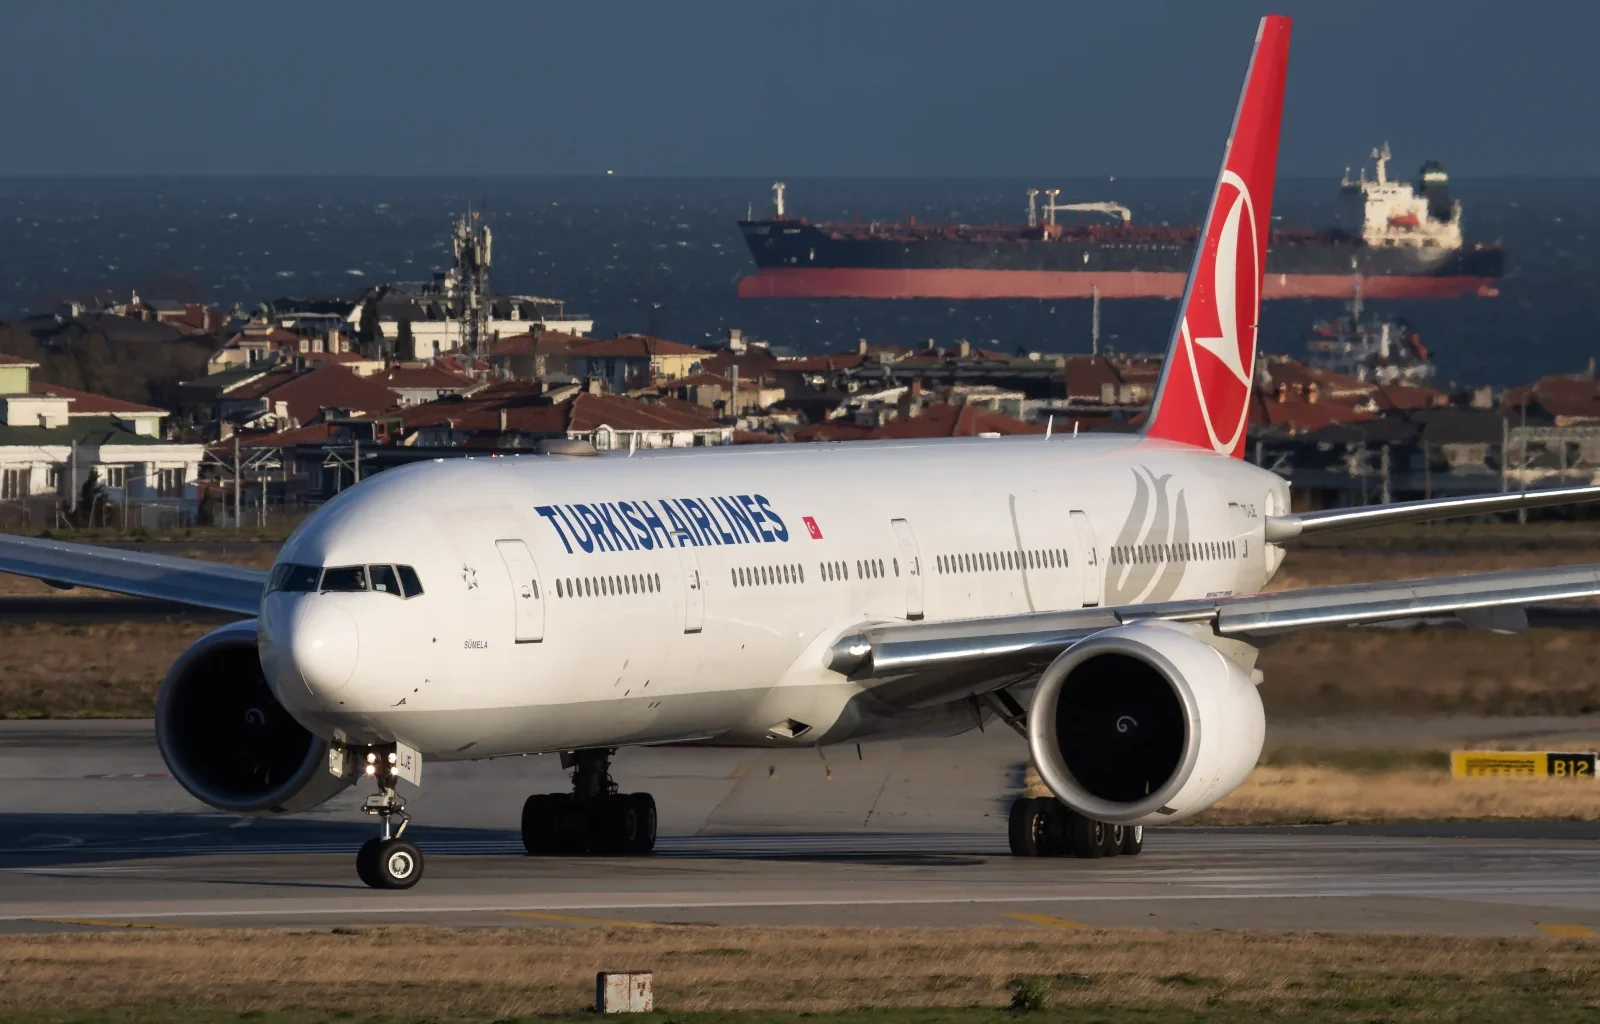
(1051, 208)
(777, 197)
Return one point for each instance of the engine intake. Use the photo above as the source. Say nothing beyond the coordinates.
(228, 741)
(1144, 724)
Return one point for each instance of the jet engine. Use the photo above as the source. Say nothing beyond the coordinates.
(1145, 724)
(226, 738)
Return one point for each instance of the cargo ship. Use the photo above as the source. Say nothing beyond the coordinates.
(1391, 239)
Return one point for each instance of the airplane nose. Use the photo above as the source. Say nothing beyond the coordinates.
(323, 645)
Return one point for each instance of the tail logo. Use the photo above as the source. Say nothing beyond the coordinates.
(1147, 567)
(1224, 318)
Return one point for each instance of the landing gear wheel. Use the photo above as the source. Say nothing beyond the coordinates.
(1028, 827)
(644, 812)
(367, 863)
(1085, 836)
(1132, 839)
(542, 831)
(1115, 836)
(389, 863)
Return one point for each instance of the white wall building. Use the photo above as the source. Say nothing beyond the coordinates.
(49, 448)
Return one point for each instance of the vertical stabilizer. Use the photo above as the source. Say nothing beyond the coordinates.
(1204, 395)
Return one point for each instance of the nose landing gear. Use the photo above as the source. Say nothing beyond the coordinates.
(594, 818)
(387, 861)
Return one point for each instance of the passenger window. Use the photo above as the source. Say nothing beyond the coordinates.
(294, 579)
(345, 579)
(383, 578)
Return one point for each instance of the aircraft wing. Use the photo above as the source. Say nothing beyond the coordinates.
(912, 665)
(191, 581)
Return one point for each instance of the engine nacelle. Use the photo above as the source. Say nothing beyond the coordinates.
(1144, 724)
(226, 738)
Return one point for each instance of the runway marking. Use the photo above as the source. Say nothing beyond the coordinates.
(357, 908)
(102, 922)
(572, 919)
(1568, 931)
(1046, 921)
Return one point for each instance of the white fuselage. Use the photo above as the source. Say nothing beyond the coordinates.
(693, 595)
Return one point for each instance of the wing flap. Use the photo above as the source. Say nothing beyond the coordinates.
(191, 581)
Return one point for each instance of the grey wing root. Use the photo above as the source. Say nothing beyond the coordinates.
(913, 665)
(228, 588)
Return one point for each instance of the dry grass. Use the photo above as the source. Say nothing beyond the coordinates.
(102, 670)
(1292, 794)
(488, 973)
(1296, 794)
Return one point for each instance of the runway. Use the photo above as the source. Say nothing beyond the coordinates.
(94, 835)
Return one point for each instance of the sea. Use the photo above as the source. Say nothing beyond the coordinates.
(665, 254)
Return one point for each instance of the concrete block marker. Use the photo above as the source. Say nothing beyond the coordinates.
(623, 992)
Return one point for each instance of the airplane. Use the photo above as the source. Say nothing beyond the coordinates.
(1100, 594)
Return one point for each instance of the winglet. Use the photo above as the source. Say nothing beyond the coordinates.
(1204, 395)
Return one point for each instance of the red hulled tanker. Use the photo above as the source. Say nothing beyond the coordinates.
(1393, 240)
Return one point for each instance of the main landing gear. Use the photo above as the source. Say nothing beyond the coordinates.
(594, 818)
(1042, 826)
(388, 861)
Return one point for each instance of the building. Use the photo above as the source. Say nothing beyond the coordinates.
(632, 360)
(717, 393)
(416, 383)
(53, 440)
(520, 415)
(288, 397)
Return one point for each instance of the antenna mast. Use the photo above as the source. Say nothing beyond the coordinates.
(470, 244)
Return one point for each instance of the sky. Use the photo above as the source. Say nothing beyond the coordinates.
(725, 88)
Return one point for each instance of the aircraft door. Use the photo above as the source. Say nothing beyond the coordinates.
(694, 595)
(1089, 558)
(526, 595)
(1046, 552)
(910, 567)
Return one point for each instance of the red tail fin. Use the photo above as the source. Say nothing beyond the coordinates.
(1204, 395)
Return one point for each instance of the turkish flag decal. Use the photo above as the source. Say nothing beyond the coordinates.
(812, 527)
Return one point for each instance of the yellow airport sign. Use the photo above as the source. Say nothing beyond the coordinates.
(1532, 763)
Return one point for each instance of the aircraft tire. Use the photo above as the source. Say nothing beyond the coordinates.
(1115, 836)
(644, 836)
(1085, 836)
(1028, 826)
(398, 864)
(367, 863)
(540, 834)
(1132, 839)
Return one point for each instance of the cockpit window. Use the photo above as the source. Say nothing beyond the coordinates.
(344, 579)
(382, 578)
(408, 577)
(295, 579)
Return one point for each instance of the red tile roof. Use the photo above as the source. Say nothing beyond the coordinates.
(424, 377)
(822, 364)
(532, 344)
(936, 419)
(6, 360)
(85, 403)
(1570, 397)
(526, 411)
(308, 392)
(637, 346)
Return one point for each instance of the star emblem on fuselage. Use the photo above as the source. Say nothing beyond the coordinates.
(470, 575)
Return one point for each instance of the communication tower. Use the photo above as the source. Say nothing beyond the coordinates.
(470, 244)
